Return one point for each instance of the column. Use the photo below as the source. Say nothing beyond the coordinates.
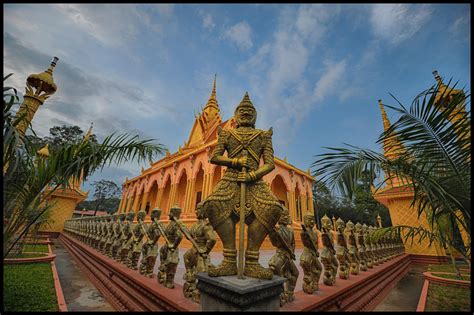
(119, 210)
(135, 203)
(159, 197)
(172, 199)
(292, 205)
(144, 200)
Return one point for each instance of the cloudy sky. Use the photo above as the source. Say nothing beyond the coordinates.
(314, 72)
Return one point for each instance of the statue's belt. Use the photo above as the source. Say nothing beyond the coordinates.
(244, 144)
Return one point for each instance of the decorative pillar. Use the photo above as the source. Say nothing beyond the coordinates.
(135, 202)
(292, 204)
(144, 200)
(159, 197)
(172, 199)
(119, 210)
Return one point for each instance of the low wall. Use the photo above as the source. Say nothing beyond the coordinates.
(125, 289)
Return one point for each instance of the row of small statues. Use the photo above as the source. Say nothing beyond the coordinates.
(118, 237)
(356, 248)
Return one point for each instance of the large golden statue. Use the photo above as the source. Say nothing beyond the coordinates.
(242, 180)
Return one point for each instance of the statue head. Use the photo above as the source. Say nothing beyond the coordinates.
(141, 215)
(285, 218)
(245, 114)
(349, 226)
(130, 216)
(365, 228)
(326, 222)
(340, 225)
(308, 220)
(115, 217)
(175, 212)
(122, 217)
(200, 213)
(155, 214)
(358, 227)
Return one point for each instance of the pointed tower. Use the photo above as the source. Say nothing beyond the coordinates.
(207, 120)
(39, 87)
(397, 196)
(392, 146)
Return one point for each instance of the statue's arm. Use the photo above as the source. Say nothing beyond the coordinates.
(218, 157)
(268, 158)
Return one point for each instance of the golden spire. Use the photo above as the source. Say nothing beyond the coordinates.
(444, 95)
(89, 132)
(392, 146)
(212, 102)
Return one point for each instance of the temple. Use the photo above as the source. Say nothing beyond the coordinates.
(186, 177)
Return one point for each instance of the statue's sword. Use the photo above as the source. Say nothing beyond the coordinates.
(243, 198)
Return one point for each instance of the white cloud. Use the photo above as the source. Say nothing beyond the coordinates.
(208, 22)
(277, 71)
(461, 29)
(396, 23)
(330, 81)
(240, 34)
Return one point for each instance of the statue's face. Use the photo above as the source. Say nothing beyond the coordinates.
(246, 116)
(130, 216)
(308, 221)
(200, 213)
(340, 225)
(358, 227)
(122, 217)
(326, 223)
(285, 219)
(155, 214)
(141, 215)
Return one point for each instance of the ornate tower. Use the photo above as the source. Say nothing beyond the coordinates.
(397, 196)
(39, 87)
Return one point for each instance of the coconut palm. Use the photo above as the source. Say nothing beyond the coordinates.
(434, 161)
(29, 179)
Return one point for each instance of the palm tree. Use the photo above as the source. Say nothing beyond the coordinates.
(30, 178)
(435, 164)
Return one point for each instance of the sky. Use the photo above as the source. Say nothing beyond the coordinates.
(314, 72)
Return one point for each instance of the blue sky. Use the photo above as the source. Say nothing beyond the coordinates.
(314, 72)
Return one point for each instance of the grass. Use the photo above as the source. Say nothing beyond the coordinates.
(445, 268)
(443, 299)
(42, 248)
(29, 287)
(25, 255)
(453, 276)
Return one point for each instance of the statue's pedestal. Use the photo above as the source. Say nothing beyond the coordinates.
(232, 294)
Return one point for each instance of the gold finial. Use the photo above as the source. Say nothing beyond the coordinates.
(212, 102)
(437, 77)
(89, 132)
(392, 146)
(386, 122)
(334, 223)
(44, 151)
(42, 82)
(379, 220)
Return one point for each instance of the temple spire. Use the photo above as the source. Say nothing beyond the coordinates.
(392, 146)
(212, 102)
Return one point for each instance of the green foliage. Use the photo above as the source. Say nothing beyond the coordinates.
(106, 197)
(435, 164)
(363, 208)
(41, 248)
(25, 255)
(29, 288)
(29, 179)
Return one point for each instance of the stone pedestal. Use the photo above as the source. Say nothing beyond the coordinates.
(236, 295)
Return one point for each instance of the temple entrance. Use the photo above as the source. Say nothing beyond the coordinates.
(280, 190)
(166, 196)
(198, 189)
(153, 196)
(181, 190)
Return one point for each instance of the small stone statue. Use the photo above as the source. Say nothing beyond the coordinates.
(115, 248)
(342, 252)
(328, 252)
(197, 259)
(97, 233)
(363, 264)
(243, 192)
(169, 252)
(368, 246)
(351, 244)
(137, 237)
(103, 233)
(376, 247)
(283, 238)
(109, 235)
(150, 247)
(126, 237)
(309, 258)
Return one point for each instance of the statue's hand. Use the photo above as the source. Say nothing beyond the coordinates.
(244, 177)
(244, 161)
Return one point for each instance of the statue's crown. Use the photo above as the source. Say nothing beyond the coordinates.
(246, 102)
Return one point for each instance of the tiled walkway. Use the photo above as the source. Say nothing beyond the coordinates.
(80, 294)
